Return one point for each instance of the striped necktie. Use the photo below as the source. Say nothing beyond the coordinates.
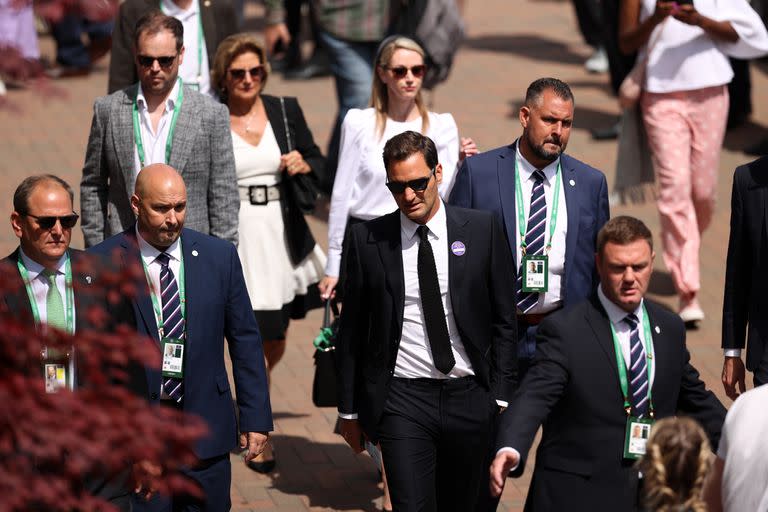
(54, 304)
(534, 238)
(638, 368)
(173, 321)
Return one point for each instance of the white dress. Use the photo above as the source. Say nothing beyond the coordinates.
(272, 280)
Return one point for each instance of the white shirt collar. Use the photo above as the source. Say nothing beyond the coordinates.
(170, 101)
(437, 224)
(34, 269)
(615, 314)
(171, 9)
(526, 168)
(149, 253)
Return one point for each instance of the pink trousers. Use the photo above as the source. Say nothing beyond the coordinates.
(685, 134)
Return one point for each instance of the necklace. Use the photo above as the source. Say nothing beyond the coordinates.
(248, 121)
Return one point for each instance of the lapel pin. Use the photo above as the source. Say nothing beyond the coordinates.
(458, 248)
(658, 331)
(88, 279)
(194, 252)
(573, 183)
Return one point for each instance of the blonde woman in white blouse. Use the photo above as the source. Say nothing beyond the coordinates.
(359, 193)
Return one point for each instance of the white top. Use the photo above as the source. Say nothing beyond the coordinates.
(194, 68)
(358, 189)
(686, 58)
(149, 256)
(257, 165)
(742, 447)
(553, 298)
(154, 143)
(39, 283)
(414, 357)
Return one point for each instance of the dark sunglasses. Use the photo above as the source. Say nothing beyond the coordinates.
(417, 185)
(165, 62)
(401, 71)
(255, 72)
(46, 222)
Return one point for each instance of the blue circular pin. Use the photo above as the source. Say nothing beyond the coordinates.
(458, 248)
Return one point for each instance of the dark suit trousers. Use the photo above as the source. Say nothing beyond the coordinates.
(434, 437)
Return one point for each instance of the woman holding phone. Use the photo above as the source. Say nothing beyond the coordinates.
(684, 106)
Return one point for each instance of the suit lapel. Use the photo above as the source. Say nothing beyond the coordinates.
(275, 116)
(123, 139)
(81, 287)
(390, 251)
(132, 256)
(458, 231)
(209, 28)
(661, 361)
(184, 134)
(572, 208)
(17, 302)
(601, 325)
(193, 287)
(505, 170)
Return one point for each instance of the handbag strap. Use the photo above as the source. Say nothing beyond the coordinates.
(330, 305)
(285, 123)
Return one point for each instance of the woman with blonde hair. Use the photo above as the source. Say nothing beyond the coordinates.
(273, 147)
(396, 106)
(677, 459)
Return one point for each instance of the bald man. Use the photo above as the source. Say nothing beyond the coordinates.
(193, 297)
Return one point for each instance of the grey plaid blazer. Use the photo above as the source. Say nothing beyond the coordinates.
(201, 152)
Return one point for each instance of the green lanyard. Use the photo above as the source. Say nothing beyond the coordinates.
(521, 220)
(154, 296)
(623, 367)
(169, 141)
(199, 42)
(70, 308)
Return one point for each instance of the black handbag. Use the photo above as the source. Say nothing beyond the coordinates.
(302, 187)
(324, 381)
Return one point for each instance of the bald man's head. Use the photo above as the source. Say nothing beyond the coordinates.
(160, 205)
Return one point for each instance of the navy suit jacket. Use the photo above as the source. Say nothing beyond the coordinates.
(217, 306)
(487, 182)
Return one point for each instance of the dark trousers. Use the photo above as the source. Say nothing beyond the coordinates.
(760, 374)
(213, 475)
(70, 50)
(434, 437)
(590, 21)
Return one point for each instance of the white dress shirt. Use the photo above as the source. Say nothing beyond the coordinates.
(39, 284)
(149, 256)
(194, 69)
(553, 298)
(153, 142)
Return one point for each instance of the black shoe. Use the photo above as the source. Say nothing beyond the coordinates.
(606, 133)
(315, 67)
(759, 149)
(262, 467)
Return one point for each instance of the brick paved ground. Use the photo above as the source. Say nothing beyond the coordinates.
(510, 43)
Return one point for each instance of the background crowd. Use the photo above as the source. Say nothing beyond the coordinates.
(248, 119)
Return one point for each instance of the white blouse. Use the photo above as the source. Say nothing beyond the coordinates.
(359, 190)
(685, 58)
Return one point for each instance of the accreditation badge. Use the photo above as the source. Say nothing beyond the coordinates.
(173, 357)
(636, 437)
(535, 269)
(57, 369)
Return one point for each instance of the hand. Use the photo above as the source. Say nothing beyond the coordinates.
(293, 163)
(254, 442)
(274, 33)
(688, 14)
(662, 10)
(145, 474)
(500, 468)
(467, 148)
(352, 434)
(327, 287)
(733, 374)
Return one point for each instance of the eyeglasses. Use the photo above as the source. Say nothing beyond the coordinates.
(165, 62)
(255, 72)
(417, 185)
(47, 222)
(401, 71)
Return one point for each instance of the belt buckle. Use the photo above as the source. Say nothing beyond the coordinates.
(257, 194)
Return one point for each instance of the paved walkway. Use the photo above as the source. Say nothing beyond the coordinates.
(510, 43)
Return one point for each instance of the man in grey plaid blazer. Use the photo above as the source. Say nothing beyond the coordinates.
(159, 120)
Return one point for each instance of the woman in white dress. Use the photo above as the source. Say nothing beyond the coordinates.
(397, 106)
(273, 146)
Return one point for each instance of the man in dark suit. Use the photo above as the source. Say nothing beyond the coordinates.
(203, 300)
(570, 206)
(215, 18)
(57, 286)
(602, 366)
(745, 308)
(426, 350)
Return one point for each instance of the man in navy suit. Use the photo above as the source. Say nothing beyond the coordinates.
(192, 294)
(535, 170)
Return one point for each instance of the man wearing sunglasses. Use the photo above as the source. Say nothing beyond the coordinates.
(159, 120)
(427, 344)
(56, 286)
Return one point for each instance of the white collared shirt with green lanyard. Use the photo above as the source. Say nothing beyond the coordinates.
(60, 363)
(194, 69)
(141, 124)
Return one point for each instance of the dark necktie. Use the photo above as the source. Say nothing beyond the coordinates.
(638, 369)
(432, 305)
(534, 238)
(173, 321)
